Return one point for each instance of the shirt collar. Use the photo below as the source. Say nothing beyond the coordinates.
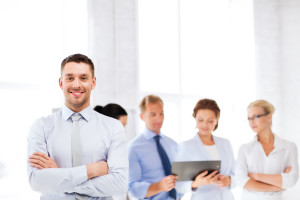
(277, 141)
(67, 112)
(149, 134)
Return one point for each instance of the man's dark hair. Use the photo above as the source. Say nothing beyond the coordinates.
(78, 58)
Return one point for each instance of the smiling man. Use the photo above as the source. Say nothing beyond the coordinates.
(77, 153)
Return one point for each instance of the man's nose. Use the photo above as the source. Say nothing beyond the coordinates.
(76, 83)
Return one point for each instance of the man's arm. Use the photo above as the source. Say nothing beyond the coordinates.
(52, 180)
(116, 181)
(42, 161)
(166, 184)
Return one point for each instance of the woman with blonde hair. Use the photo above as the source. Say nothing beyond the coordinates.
(267, 165)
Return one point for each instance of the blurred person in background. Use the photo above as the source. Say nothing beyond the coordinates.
(150, 156)
(113, 110)
(205, 146)
(267, 165)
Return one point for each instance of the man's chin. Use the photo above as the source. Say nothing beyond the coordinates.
(76, 104)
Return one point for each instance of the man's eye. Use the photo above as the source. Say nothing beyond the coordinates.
(69, 78)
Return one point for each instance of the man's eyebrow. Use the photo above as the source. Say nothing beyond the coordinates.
(69, 75)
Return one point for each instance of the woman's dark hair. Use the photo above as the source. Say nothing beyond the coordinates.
(112, 110)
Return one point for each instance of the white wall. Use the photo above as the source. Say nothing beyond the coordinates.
(277, 36)
(113, 48)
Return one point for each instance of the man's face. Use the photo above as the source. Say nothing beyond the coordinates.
(77, 83)
(153, 116)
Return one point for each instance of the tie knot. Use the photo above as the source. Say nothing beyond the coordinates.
(157, 138)
(75, 117)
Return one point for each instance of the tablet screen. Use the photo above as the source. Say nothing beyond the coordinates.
(188, 170)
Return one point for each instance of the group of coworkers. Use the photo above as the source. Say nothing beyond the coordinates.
(81, 153)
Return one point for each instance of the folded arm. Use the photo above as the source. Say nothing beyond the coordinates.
(50, 180)
(246, 180)
(116, 181)
(286, 179)
(254, 185)
(91, 179)
(271, 179)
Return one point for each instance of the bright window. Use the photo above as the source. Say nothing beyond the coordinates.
(189, 50)
(35, 37)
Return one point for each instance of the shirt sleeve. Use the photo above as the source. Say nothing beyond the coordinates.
(241, 170)
(290, 179)
(116, 181)
(137, 186)
(58, 180)
(184, 187)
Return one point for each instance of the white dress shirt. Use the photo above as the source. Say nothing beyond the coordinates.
(194, 150)
(102, 139)
(252, 159)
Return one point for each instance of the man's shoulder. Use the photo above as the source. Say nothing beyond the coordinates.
(170, 140)
(44, 124)
(108, 122)
(137, 141)
(104, 118)
(49, 119)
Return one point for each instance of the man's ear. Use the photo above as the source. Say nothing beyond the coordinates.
(142, 116)
(93, 82)
(60, 82)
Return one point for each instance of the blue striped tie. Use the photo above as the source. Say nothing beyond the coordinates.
(165, 162)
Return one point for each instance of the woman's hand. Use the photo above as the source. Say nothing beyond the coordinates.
(223, 181)
(204, 179)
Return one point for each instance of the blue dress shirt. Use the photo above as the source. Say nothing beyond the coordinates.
(102, 139)
(145, 166)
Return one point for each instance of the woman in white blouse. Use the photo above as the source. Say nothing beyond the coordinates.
(205, 146)
(268, 164)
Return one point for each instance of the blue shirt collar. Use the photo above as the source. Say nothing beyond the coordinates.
(67, 112)
(150, 134)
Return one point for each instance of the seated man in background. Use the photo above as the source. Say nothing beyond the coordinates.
(151, 154)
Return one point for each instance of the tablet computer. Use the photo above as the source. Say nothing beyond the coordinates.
(187, 171)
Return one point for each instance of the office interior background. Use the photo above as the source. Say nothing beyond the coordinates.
(233, 51)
